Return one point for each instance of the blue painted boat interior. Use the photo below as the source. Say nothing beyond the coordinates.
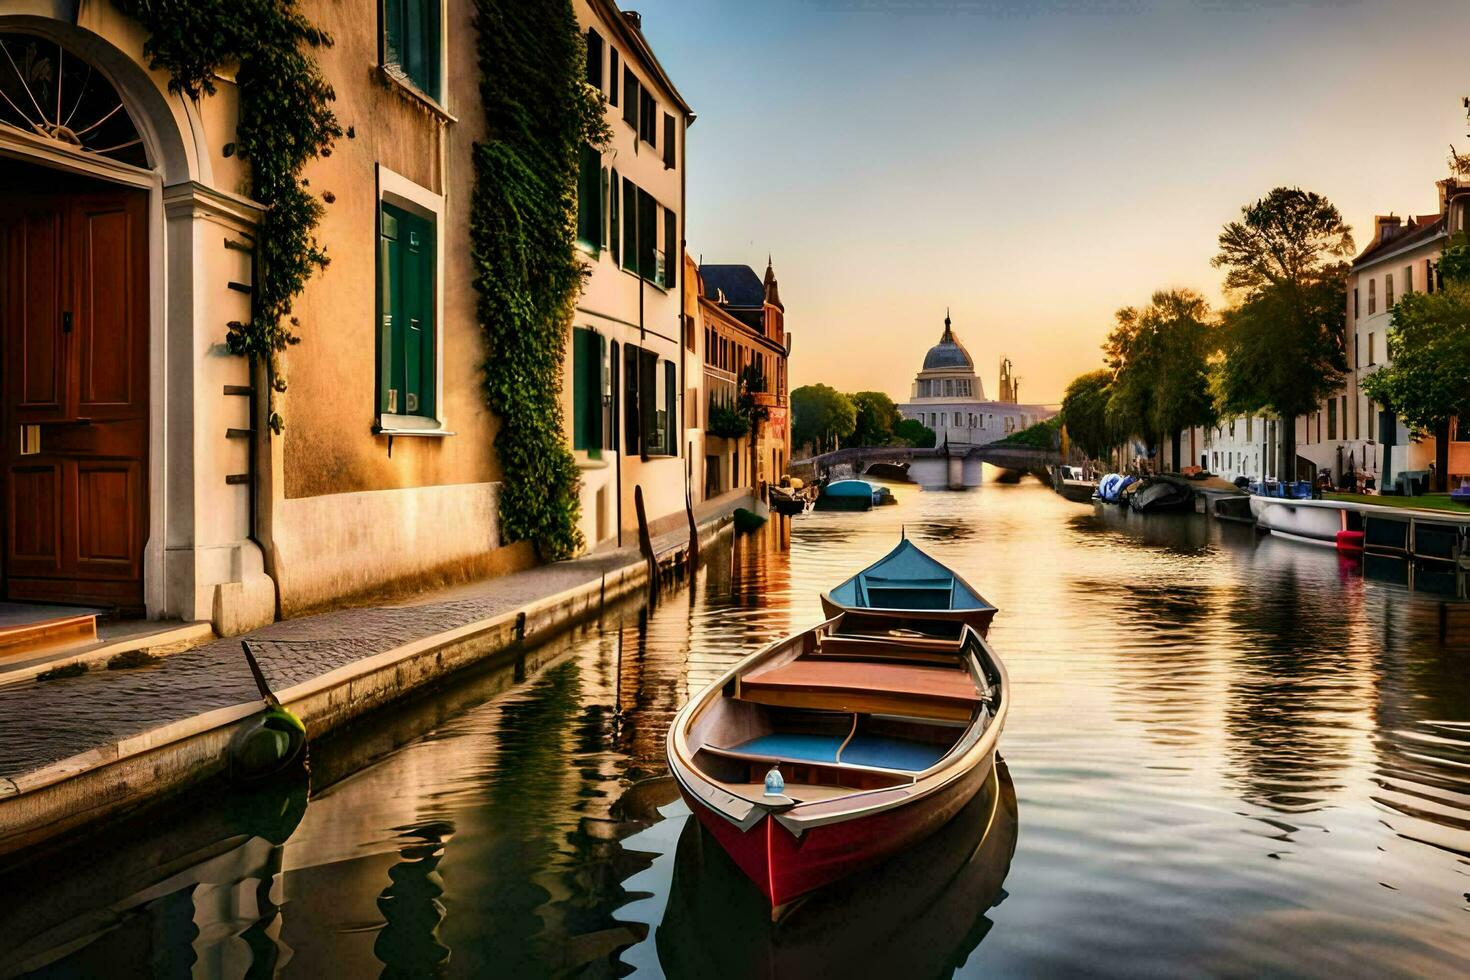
(864, 750)
(906, 578)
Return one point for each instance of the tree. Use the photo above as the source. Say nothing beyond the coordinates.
(1182, 342)
(912, 432)
(1424, 382)
(1085, 413)
(1282, 344)
(876, 417)
(749, 383)
(822, 416)
(1160, 360)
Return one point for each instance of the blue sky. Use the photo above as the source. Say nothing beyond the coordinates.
(1034, 166)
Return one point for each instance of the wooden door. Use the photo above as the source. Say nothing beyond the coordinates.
(74, 395)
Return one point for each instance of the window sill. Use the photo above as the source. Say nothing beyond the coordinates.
(410, 425)
(588, 463)
(400, 83)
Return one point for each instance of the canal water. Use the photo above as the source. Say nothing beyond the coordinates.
(1225, 754)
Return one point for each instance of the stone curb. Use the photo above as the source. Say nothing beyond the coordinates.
(48, 802)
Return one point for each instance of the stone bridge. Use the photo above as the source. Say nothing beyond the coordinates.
(947, 466)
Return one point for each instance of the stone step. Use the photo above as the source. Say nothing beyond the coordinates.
(46, 634)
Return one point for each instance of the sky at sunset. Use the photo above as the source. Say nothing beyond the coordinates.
(1034, 166)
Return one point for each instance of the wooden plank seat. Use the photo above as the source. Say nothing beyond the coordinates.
(863, 687)
(871, 751)
(927, 651)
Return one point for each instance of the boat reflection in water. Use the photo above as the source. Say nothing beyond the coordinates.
(920, 914)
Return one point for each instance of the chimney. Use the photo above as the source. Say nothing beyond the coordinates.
(635, 18)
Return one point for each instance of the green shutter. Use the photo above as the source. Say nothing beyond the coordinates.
(647, 235)
(594, 59)
(630, 98)
(630, 225)
(589, 209)
(671, 247)
(648, 402)
(411, 40)
(587, 391)
(407, 281)
(612, 202)
(671, 408)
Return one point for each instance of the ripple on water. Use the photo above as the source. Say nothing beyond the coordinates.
(1228, 754)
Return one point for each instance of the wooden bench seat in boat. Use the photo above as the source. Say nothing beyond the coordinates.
(946, 693)
(942, 652)
(873, 751)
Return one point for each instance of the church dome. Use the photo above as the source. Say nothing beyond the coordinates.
(949, 352)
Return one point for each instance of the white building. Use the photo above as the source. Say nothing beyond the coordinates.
(949, 398)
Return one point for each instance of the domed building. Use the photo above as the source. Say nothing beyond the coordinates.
(949, 397)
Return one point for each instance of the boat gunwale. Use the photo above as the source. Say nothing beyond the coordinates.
(952, 766)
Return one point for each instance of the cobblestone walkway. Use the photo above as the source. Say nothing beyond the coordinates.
(48, 721)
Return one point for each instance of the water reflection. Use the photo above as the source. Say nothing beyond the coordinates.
(1234, 753)
(919, 915)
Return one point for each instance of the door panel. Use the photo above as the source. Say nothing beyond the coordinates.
(74, 326)
(35, 516)
(34, 311)
(106, 310)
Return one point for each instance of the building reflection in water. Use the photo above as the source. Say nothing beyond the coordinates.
(1237, 737)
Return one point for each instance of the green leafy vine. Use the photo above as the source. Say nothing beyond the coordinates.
(528, 272)
(285, 120)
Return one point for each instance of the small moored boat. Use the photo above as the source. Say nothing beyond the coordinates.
(794, 498)
(849, 495)
(906, 580)
(832, 749)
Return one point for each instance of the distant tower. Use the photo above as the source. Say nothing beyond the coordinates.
(1010, 385)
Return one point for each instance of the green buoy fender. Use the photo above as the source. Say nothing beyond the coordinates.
(267, 743)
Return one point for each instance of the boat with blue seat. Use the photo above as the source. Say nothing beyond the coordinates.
(830, 750)
(908, 579)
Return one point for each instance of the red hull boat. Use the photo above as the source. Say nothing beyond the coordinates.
(833, 749)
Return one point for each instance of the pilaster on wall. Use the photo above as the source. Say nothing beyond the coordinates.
(214, 570)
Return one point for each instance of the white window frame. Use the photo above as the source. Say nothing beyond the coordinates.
(399, 191)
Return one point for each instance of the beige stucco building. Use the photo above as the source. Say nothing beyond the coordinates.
(139, 472)
(1347, 435)
(630, 357)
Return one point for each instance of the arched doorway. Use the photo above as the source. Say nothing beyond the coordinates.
(74, 335)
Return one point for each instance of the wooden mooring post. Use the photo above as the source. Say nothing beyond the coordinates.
(645, 544)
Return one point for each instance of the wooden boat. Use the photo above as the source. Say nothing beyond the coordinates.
(848, 495)
(1161, 495)
(830, 750)
(919, 914)
(908, 580)
(1070, 483)
(792, 500)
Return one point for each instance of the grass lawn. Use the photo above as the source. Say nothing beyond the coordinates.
(1430, 501)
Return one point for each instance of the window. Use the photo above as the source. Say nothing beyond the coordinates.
(1408, 279)
(612, 75)
(594, 59)
(589, 383)
(1371, 361)
(948, 387)
(1372, 299)
(647, 117)
(411, 43)
(1331, 418)
(647, 235)
(668, 141)
(1247, 428)
(1388, 291)
(1355, 302)
(407, 378)
(630, 97)
(1372, 420)
(589, 199)
(1357, 362)
(1429, 275)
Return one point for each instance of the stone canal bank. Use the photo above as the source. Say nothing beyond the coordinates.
(79, 750)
